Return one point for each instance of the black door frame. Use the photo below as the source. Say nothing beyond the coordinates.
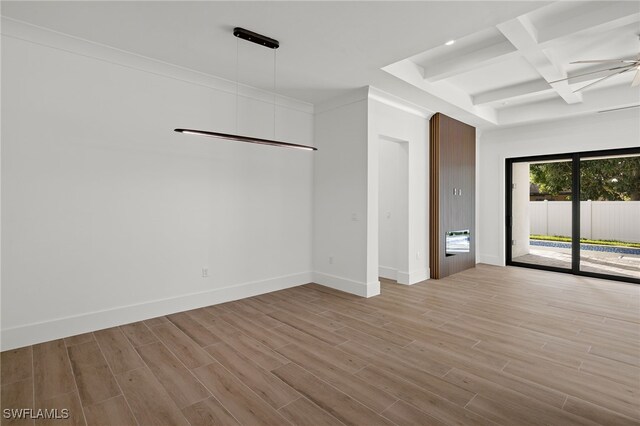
(575, 157)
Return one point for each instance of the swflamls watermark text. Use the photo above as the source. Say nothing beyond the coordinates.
(40, 413)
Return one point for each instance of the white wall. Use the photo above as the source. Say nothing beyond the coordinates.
(619, 129)
(340, 195)
(391, 120)
(348, 130)
(108, 216)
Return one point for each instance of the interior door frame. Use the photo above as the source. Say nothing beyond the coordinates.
(575, 158)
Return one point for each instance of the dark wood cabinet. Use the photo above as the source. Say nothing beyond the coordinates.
(452, 192)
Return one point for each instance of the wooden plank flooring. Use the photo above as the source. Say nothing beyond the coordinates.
(486, 346)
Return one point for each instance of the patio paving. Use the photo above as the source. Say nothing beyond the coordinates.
(626, 265)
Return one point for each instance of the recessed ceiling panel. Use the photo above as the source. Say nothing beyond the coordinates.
(463, 46)
(623, 42)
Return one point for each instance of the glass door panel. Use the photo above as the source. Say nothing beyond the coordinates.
(541, 213)
(610, 215)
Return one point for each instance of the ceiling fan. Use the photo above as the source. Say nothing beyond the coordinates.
(622, 66)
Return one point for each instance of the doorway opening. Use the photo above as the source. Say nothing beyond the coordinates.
(393, 210)
(575, 213)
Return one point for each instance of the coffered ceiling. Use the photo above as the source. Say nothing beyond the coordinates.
(508, 73)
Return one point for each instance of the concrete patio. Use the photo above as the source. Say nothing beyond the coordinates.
(626, 265)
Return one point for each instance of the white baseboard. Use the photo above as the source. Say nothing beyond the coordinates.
(420, 275)
(402, 277)
(413, 277)
(387, 272)
(347, 285)
(373, 288)
(490, 259)
(30, 334)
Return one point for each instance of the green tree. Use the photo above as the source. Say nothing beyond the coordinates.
(608, 179)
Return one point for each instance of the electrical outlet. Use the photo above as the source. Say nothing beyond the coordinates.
(354, 217)
(330, 260)
(205, 272)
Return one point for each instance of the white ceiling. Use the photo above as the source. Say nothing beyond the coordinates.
(328, 48)
(505, 73)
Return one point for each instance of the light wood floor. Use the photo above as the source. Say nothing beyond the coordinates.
(490, 345)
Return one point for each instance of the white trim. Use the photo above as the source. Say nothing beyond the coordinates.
(387, 272)
(413, 277)
(350, 97)
(399, 103)
(373, 289)
(347, 285)
(403, 278)
(30, 334)
(75, 45)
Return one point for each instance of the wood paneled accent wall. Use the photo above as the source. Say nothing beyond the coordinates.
(452, 166)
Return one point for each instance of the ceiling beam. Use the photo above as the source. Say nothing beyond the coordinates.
(468, 60)
(590, 18)
(594, 100)
(523, 35)
(540, 85)
(504, 94)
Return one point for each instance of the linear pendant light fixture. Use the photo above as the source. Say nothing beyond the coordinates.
(271, 44)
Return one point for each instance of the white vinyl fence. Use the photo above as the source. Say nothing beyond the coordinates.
(599, 220)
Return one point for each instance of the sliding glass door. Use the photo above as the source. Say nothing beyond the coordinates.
(577, 213)
(610, 215)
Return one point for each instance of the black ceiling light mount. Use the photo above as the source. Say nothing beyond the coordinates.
(270, 43)
(256, 38)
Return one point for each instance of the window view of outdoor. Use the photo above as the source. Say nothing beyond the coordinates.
(609, 214)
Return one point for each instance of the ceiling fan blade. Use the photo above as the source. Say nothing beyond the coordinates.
(603, 60)
(602, 79)
(592, 72)
(636, 79)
